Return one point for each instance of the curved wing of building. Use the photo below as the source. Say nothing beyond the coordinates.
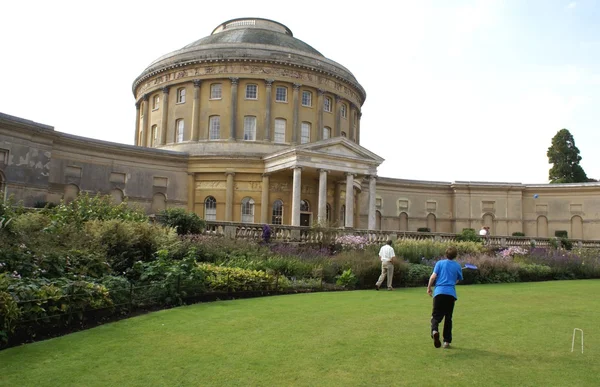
(250, 124)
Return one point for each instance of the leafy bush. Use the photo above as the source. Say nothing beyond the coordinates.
(415, 251)
(184, 222)
(230, 279)
(347, 279)
(423, 229)
(561, 234)
(9, 314)
(566, 244)
(417, 275)
(468, 235)
(518, 234)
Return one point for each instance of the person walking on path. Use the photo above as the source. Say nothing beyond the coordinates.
(446, 273)
(386, 254)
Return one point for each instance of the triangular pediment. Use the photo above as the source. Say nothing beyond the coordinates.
(341, 147)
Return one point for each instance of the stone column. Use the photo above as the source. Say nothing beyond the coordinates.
(322, 209)
(164, 123)
(191, 192)
(269, 85)
(320, 125)
(338, 116)
(372, 224)
(229, 197)
(196, 111)
(264, 200)
(145, 118)
(233, 118)
(296, 123)
(337, 203)
(349, 200)
(136, 140)
(296, 188)
(357, 127)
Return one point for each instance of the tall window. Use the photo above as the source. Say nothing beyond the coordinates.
(344, 111)
(216, 91)
(247, 210)
(328, 212)
(250, 128)
(343, 215)
(181, 95)
(277, 217)
(279, 130)
(154, 138)
(281, 94)
(155, 102)
(251, 91)
(304, 206)
(210, 208)
(326, 133)
(214, 128)
(327, 104)
(306, 98)
(305, 133)
(180, 127)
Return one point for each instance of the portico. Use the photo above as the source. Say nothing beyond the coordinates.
(334, 161)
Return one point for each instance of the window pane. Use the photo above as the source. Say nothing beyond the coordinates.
(327, 104)
(281, 94)
(249, 128)
(326, 133)
(156, 101)
(344, 111)
(215, 91)
(277, 217)
(210, 208)
(279, 131)
(180, 128)
(181, 95)
(251, 91)
(306, 98)
(305, 135)
(247, 210)
(214, 132)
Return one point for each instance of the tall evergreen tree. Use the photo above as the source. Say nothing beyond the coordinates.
(564, 157)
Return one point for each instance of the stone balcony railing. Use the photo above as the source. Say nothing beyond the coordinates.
(281, 233)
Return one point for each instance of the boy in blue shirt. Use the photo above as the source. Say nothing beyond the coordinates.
(446, 273)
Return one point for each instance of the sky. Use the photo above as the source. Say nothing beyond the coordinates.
(461, 90)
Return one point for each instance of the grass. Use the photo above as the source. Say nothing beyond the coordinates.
(504, 335)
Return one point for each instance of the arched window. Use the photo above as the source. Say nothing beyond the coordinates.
(488, 220)
(577, 227)
(180, 127)
(344, 134)
(214, 128)
(305, 133)
(159, 203)
(403, 221)
(277, 217)
(378, 220)
(326, 133)
(328, 212)
(280, 124)
(117, 196)
(210, 208)
(542, 227)
(154, 138)
(431, 222)
(247, 210)
(71, 192)
(304, 206)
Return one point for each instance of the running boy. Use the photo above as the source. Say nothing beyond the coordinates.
(446, 273)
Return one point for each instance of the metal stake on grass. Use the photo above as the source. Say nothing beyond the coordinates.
(573, 340)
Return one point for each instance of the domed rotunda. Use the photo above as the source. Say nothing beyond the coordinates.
(268, 123)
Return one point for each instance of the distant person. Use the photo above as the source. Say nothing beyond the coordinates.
(485, 234)
(386, 255)
(483, 231)
(446, 273)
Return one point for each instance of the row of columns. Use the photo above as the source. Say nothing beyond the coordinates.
(296, 197)
(142, 140)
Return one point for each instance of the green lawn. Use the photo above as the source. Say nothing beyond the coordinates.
(505, 335)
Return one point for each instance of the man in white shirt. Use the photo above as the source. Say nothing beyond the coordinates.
(386, 254)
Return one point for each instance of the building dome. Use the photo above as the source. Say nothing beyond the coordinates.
(253, 39)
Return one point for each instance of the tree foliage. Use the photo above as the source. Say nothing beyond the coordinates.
(564, 157)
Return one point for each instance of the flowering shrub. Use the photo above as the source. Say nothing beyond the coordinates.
(513, 251)
(355, 242)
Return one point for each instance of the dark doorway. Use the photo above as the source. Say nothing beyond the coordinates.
(305, 220)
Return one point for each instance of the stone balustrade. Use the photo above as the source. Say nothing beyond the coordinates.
(281, 233)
